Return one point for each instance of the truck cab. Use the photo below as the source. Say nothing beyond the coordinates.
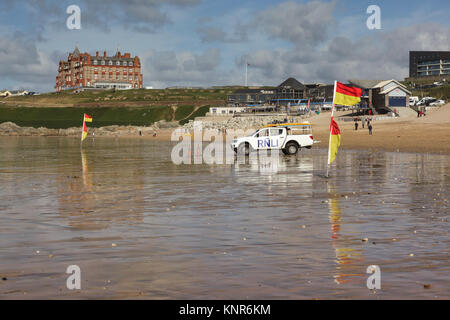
(286, 137)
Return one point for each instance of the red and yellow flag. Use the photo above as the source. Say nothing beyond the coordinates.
(86, 118)
(347, 96)
(335, 141)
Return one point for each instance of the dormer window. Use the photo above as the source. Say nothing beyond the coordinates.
(118, 63)
(103, 62)
(124, 63)
(110, 63)
(95, 62)
(130, 64)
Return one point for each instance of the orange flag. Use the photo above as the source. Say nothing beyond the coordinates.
(335, 141)
(346, 96)
(86, 118)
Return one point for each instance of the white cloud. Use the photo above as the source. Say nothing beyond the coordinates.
(137, 15)
(22, 64)
(381, 55)
(302, 24)
(168, 68)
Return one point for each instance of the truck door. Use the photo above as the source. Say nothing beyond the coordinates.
(263, 139)
(277, 137)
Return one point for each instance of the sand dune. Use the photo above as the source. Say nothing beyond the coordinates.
(439, 115)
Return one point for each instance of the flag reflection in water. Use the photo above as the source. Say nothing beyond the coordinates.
(87, 181)
(349, 254)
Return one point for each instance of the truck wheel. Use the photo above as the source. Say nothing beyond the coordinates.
(291, 148)
(244, 148)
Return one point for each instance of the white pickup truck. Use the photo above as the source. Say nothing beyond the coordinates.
(286, 137)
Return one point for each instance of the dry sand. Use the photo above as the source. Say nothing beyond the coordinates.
(429, 134)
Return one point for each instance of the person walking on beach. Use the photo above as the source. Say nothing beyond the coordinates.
(370, 128)
(363, 122)
(356, 124)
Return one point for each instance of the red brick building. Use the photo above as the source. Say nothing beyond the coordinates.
(81, 70)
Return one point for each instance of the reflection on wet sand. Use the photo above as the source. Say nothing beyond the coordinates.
(92, 205)
(349, 257)
(140, 226)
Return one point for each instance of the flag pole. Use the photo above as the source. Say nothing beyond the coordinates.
(246, 73)
(329, 143)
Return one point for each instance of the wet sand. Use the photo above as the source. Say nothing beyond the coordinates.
(141, 227)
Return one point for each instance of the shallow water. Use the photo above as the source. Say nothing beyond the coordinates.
(139, 226)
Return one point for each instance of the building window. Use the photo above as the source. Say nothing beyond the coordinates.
(118, 63)
(110, 62)
(125, 63)
(95, 76)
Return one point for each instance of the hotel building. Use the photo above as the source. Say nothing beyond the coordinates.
(81, 70)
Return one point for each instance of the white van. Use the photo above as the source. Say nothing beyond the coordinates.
(413, 100)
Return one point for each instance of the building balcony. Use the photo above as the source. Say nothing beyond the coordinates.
(429, 63)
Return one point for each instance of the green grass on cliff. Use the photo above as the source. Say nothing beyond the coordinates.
(128, 107)
(200, 112)
(442, 92)
(61, 118)
(122, 96)
(183, 112)
(66, 117)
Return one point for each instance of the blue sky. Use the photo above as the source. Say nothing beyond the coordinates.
(203, 43)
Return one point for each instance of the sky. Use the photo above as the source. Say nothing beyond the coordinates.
(207, 43)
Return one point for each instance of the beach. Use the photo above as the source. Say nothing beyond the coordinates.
(429, 134)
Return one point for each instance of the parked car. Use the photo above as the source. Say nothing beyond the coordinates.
(437, 103)
(426, 101)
